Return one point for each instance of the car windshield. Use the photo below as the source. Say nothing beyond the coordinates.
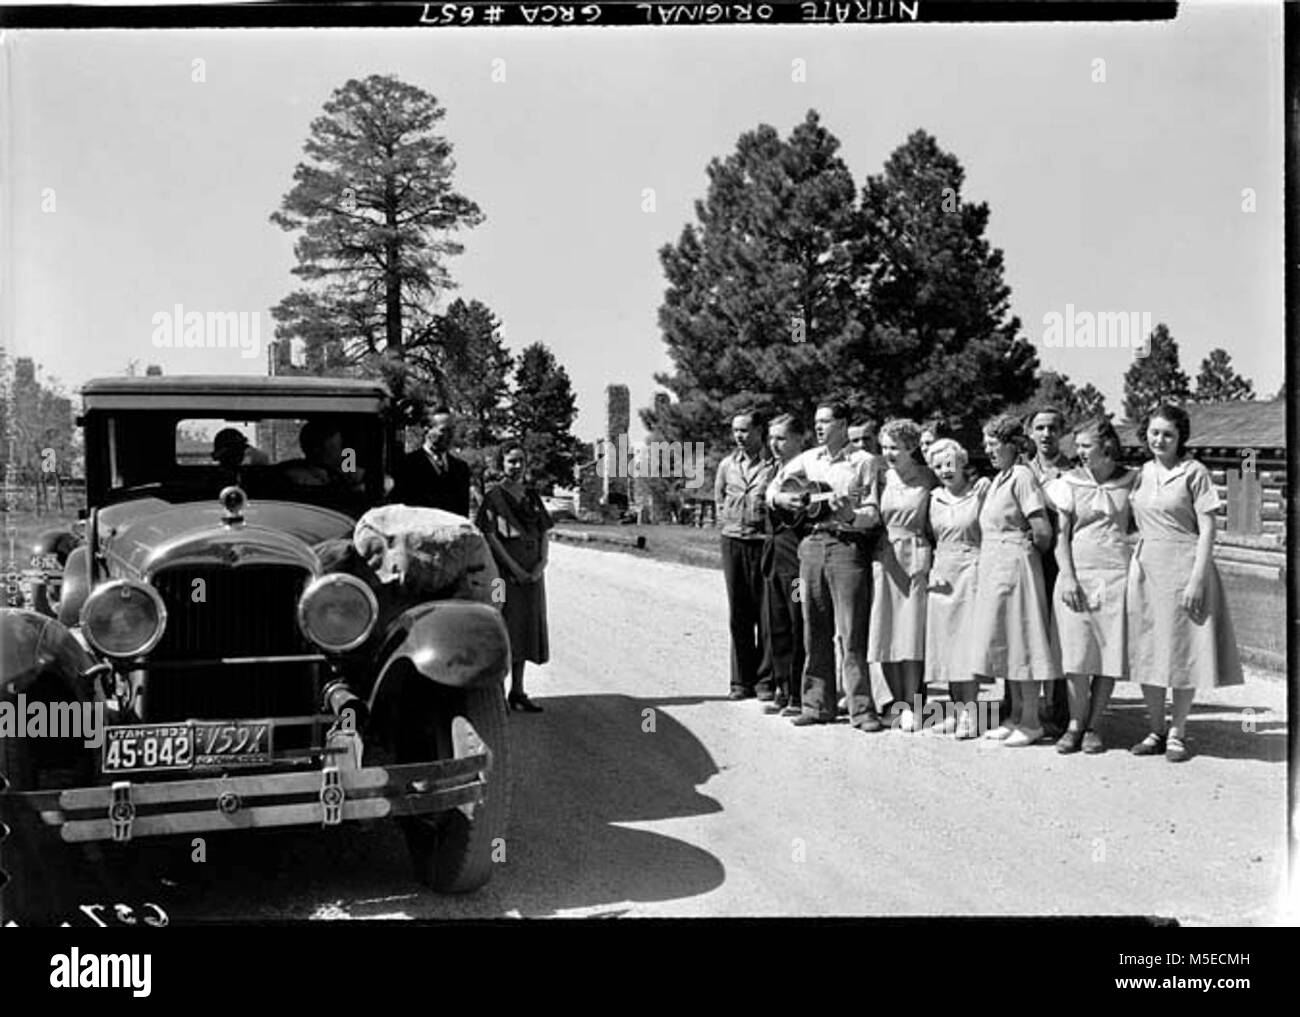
(335, 460)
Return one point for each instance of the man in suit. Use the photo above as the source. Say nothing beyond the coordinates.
(431, 477)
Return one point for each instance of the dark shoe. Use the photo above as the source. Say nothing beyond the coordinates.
(868, 722)
(738, 694)
(764, 695)
(1092, 743)
(779, 702)
(808, 720)
(842, 707)
(1069, 742)
(792, 711)
(1176, 750)
(519, 701)
(1152, 745)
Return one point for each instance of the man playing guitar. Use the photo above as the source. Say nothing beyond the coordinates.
(837, 487)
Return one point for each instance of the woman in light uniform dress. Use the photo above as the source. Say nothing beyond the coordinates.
(1009, 634)
(1093, 551)
(1180, 634)
(954, 521)
(899, 569)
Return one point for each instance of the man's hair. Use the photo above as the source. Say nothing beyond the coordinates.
(316, 432)
(756, 418)
(1045, 408)
(839, 411)
(790, 422)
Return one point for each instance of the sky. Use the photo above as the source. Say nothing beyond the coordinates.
(130, 187)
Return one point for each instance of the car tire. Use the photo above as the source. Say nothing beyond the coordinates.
(455, 851)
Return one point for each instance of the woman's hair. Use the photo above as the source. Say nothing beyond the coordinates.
(1177, 416)
(947, 446)
(1103, 432)
(1010, 430)
(906, 434)
(937, 427)
(507, 448)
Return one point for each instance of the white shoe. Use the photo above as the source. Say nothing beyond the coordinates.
(999, 734)
(965, 728)
(906, 722)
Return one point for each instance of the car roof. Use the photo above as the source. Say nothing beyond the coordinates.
(235, 392)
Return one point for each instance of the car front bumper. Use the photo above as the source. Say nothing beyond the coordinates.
(328, 796)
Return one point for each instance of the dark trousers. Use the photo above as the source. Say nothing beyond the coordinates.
(835, 577)
(784, 613)
(742, 569)
(1054, 709)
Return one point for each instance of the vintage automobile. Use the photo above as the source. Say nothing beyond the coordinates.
(250, 670)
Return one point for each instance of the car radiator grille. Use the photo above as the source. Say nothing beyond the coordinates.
(249, 611)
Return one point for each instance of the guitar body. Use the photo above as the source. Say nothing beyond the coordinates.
(813, 496)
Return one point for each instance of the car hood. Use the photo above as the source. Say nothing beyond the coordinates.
(139, 537)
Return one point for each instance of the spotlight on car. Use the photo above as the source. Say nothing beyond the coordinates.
(123, 619)
(337, 612)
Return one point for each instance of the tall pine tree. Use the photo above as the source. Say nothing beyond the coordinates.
(1155, 378)
(760, 301)
(542, 411)
(941, 338)
(1219, 382)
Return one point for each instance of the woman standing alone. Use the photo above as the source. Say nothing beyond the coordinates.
(514, 521)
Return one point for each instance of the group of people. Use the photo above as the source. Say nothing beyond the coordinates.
(1059, 579)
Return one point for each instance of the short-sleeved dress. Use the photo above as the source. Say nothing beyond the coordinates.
(520, 525)
(1167, 646)
(1093, 641)
(955, 523)
(1009, 635)
(900, 566)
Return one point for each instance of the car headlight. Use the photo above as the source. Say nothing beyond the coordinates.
(337, 612)
(123, 618)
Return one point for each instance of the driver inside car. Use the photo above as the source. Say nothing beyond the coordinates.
(326, 464)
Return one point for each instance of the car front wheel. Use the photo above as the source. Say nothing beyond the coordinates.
(454, 851)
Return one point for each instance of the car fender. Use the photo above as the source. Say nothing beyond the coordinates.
(32, 646)
(455, 643)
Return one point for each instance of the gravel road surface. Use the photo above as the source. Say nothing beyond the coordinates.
(642, 791)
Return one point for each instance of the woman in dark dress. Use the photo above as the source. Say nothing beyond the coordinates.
(515, 521)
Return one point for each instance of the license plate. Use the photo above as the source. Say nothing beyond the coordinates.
(156, 747)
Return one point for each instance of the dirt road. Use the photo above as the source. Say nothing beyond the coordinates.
(643, 791)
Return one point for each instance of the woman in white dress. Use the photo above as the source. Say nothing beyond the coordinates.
(1180, 633)
(899, 569)
(1009, 635)
(954, 522)
(1093, 551)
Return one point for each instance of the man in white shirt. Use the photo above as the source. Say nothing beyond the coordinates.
(835, 570)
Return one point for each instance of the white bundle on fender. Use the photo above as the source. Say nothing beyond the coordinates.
(427, 552)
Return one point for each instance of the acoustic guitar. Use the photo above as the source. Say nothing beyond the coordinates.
(813, 498)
